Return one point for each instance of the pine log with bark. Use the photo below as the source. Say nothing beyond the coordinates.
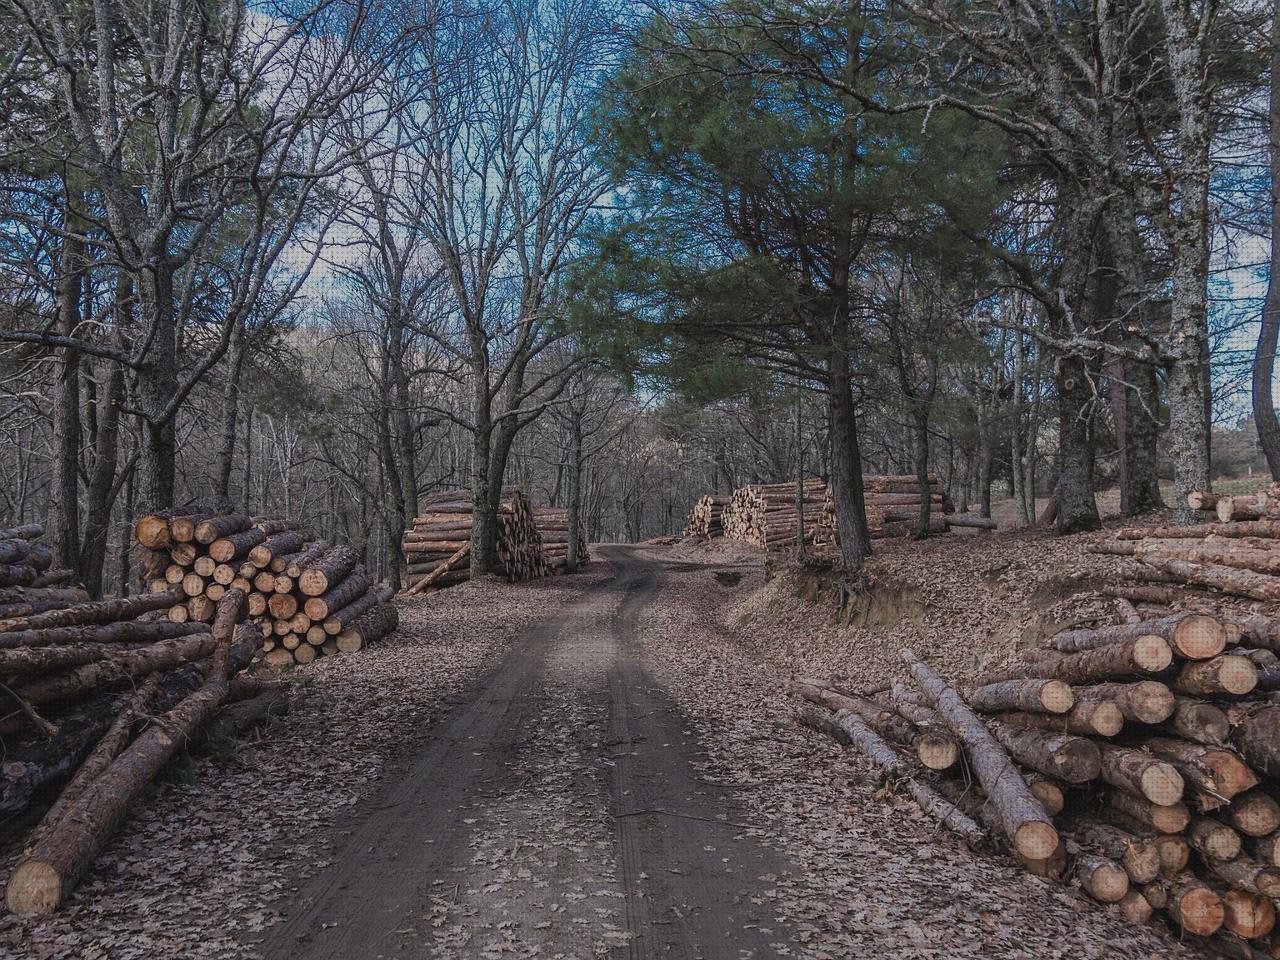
(1034, 696)
(1028, 827)
(1193, 635)
(1221, 675)
(276, 545)
(1199, 722)
(324, 573)
(124, 631)
(1065, 757)
(1142, 775)
(1216, 774)
(848, 728)
(352, 587)
(216, 528)
(1139, 656)
(100, 611)
(1147, 701)
(236, 546)
(1256, 734)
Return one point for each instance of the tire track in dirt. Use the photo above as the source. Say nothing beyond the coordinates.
(557, 812)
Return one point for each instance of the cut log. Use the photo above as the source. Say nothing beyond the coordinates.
(1028, 827)
(24, 643)
(1140, 856)
(1164, 818)
(1095, 718)
(217, 528)
(289, 541)
(847, 728)
(1063, 756)
(325, 572)
(54, 865)
(341, 620)
(101, 674)
(1213, 840)
(1243, 583)
(1141, 774)
(1103, 879)
(1248, 915)
(1221, 675)
(355, 585)
(1199, 722)
(1255, 814)
(1195, 636)
(1035, 696)
(1047, 790)
(101, 611)
(1142, 655)
(1135, 907)
(1248, 875)
(1216, 773)
(1266, 850)
(236, 546)
(1144, 702)
(282, 606)
(1192, 904)
(1257, 736)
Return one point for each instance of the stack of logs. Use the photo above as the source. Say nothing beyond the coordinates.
(27, 584)
(438, 546)
(307, 597)
(765, 515)
(553, 528)
(98, 696)
(1145, 756)
(706, 517)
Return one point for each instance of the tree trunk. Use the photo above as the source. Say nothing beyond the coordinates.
(846, 467)
(66, 417)
(1077, 508)
(157, 381)
(572, 560)
(102, 491)
(1264, 405)
(230, 415)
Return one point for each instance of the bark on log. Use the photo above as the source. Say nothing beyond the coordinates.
(1028, 827)
(236, 546)
(1137, 657)
(1222, 675)
(1095, 718)
(1140, 856)
(1063, 756)
(1147, 701)
(215, 528)
(355, 585)
(1190, 902)
(1199, 722)
(340, 620)
(1217, 774)
(1195, 636)
(101, 611)
(1101, 878)
(1255, 814)
(59, 859)
(1213, 840)
(163, 655)
(325, 572)
(1034, 696)
(1257, 737)
(278, 545)
(1243, 583)
(1142, 775)
(124, 631)
(1170, 818)
(1248, 874)
(854, 731)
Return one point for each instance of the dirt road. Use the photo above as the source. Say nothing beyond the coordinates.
(558, 812)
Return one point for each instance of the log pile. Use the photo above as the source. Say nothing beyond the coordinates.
(706, 517)
(307, 597)
(893, 509)
(98, 696)
(1139, 760)
(765, 515)
(438, 545)
(27, 583)
(553, 528)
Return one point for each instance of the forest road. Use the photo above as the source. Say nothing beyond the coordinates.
(557, 812)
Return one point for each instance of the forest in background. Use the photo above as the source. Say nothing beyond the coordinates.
(320, 260)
